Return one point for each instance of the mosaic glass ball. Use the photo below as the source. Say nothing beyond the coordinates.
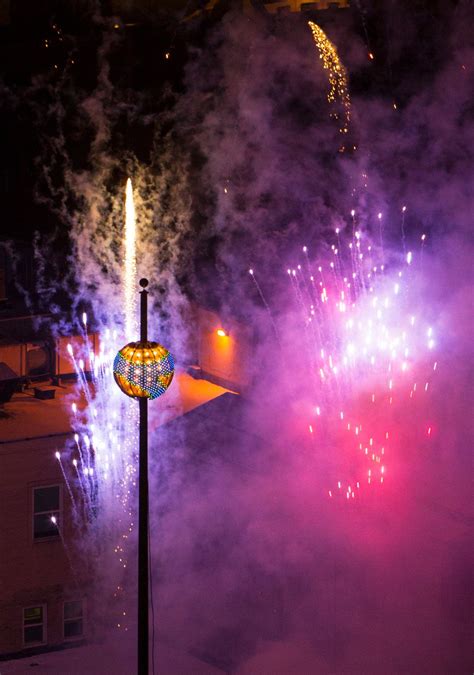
(143, 369)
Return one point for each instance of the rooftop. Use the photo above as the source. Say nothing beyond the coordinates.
(115, 656)
(25, 417)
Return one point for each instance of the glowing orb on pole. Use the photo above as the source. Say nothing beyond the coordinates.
(143, 369)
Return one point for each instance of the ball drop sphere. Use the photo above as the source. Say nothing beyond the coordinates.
(143, 369)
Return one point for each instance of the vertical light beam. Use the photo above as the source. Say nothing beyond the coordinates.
(130, 266)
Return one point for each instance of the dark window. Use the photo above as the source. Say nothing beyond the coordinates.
(46, 511)
(73, 619)
(38, 360)
(34, 625)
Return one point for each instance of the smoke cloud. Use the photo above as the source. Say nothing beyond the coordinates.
(300, 584)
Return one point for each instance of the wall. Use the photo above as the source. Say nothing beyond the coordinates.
(31, 572)
(18, 355)
(225, 360)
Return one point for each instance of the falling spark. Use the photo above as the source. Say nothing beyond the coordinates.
(338, 89)
(360, 335)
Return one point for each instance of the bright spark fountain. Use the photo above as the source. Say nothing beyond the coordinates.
(100, 465)
(130, 266)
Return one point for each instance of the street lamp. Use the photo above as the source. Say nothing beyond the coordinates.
(143, 370)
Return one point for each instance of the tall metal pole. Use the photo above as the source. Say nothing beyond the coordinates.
(143, 506)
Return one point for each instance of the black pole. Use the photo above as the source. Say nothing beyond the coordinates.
(143, 507)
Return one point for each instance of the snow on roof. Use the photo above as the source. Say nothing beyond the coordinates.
(115, 656)
(26, 417)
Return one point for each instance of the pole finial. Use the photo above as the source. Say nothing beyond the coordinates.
(143, 283)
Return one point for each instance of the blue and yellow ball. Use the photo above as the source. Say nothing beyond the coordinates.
(143, 369)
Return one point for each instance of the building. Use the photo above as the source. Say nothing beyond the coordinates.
(39, 606)
(44, 605)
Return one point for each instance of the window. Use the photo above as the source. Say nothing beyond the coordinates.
(38, 359)
(46, 507)
(34, 625)
(73, 620)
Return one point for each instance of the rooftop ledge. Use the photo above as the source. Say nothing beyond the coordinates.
(27, 417)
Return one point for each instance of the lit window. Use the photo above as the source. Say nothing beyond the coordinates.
(34, 624)
(46, 511)
(73, 620)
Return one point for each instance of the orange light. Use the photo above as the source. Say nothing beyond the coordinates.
(221, 332)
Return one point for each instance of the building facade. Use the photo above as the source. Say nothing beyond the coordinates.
(41, 603)
(46, 598)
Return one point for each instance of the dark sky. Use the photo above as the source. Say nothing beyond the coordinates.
(225, 102)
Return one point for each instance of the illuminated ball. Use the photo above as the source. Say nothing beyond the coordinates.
(143, 369)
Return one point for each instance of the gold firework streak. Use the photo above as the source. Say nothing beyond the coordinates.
(336, 74)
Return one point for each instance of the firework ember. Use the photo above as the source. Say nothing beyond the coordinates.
(338, 91)
(367, 348)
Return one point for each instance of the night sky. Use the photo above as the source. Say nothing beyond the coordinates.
(223, 123)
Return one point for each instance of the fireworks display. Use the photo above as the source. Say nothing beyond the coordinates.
(367, 347)
(130, 296)
(307, 463)
(338, 88)
(101, 462)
